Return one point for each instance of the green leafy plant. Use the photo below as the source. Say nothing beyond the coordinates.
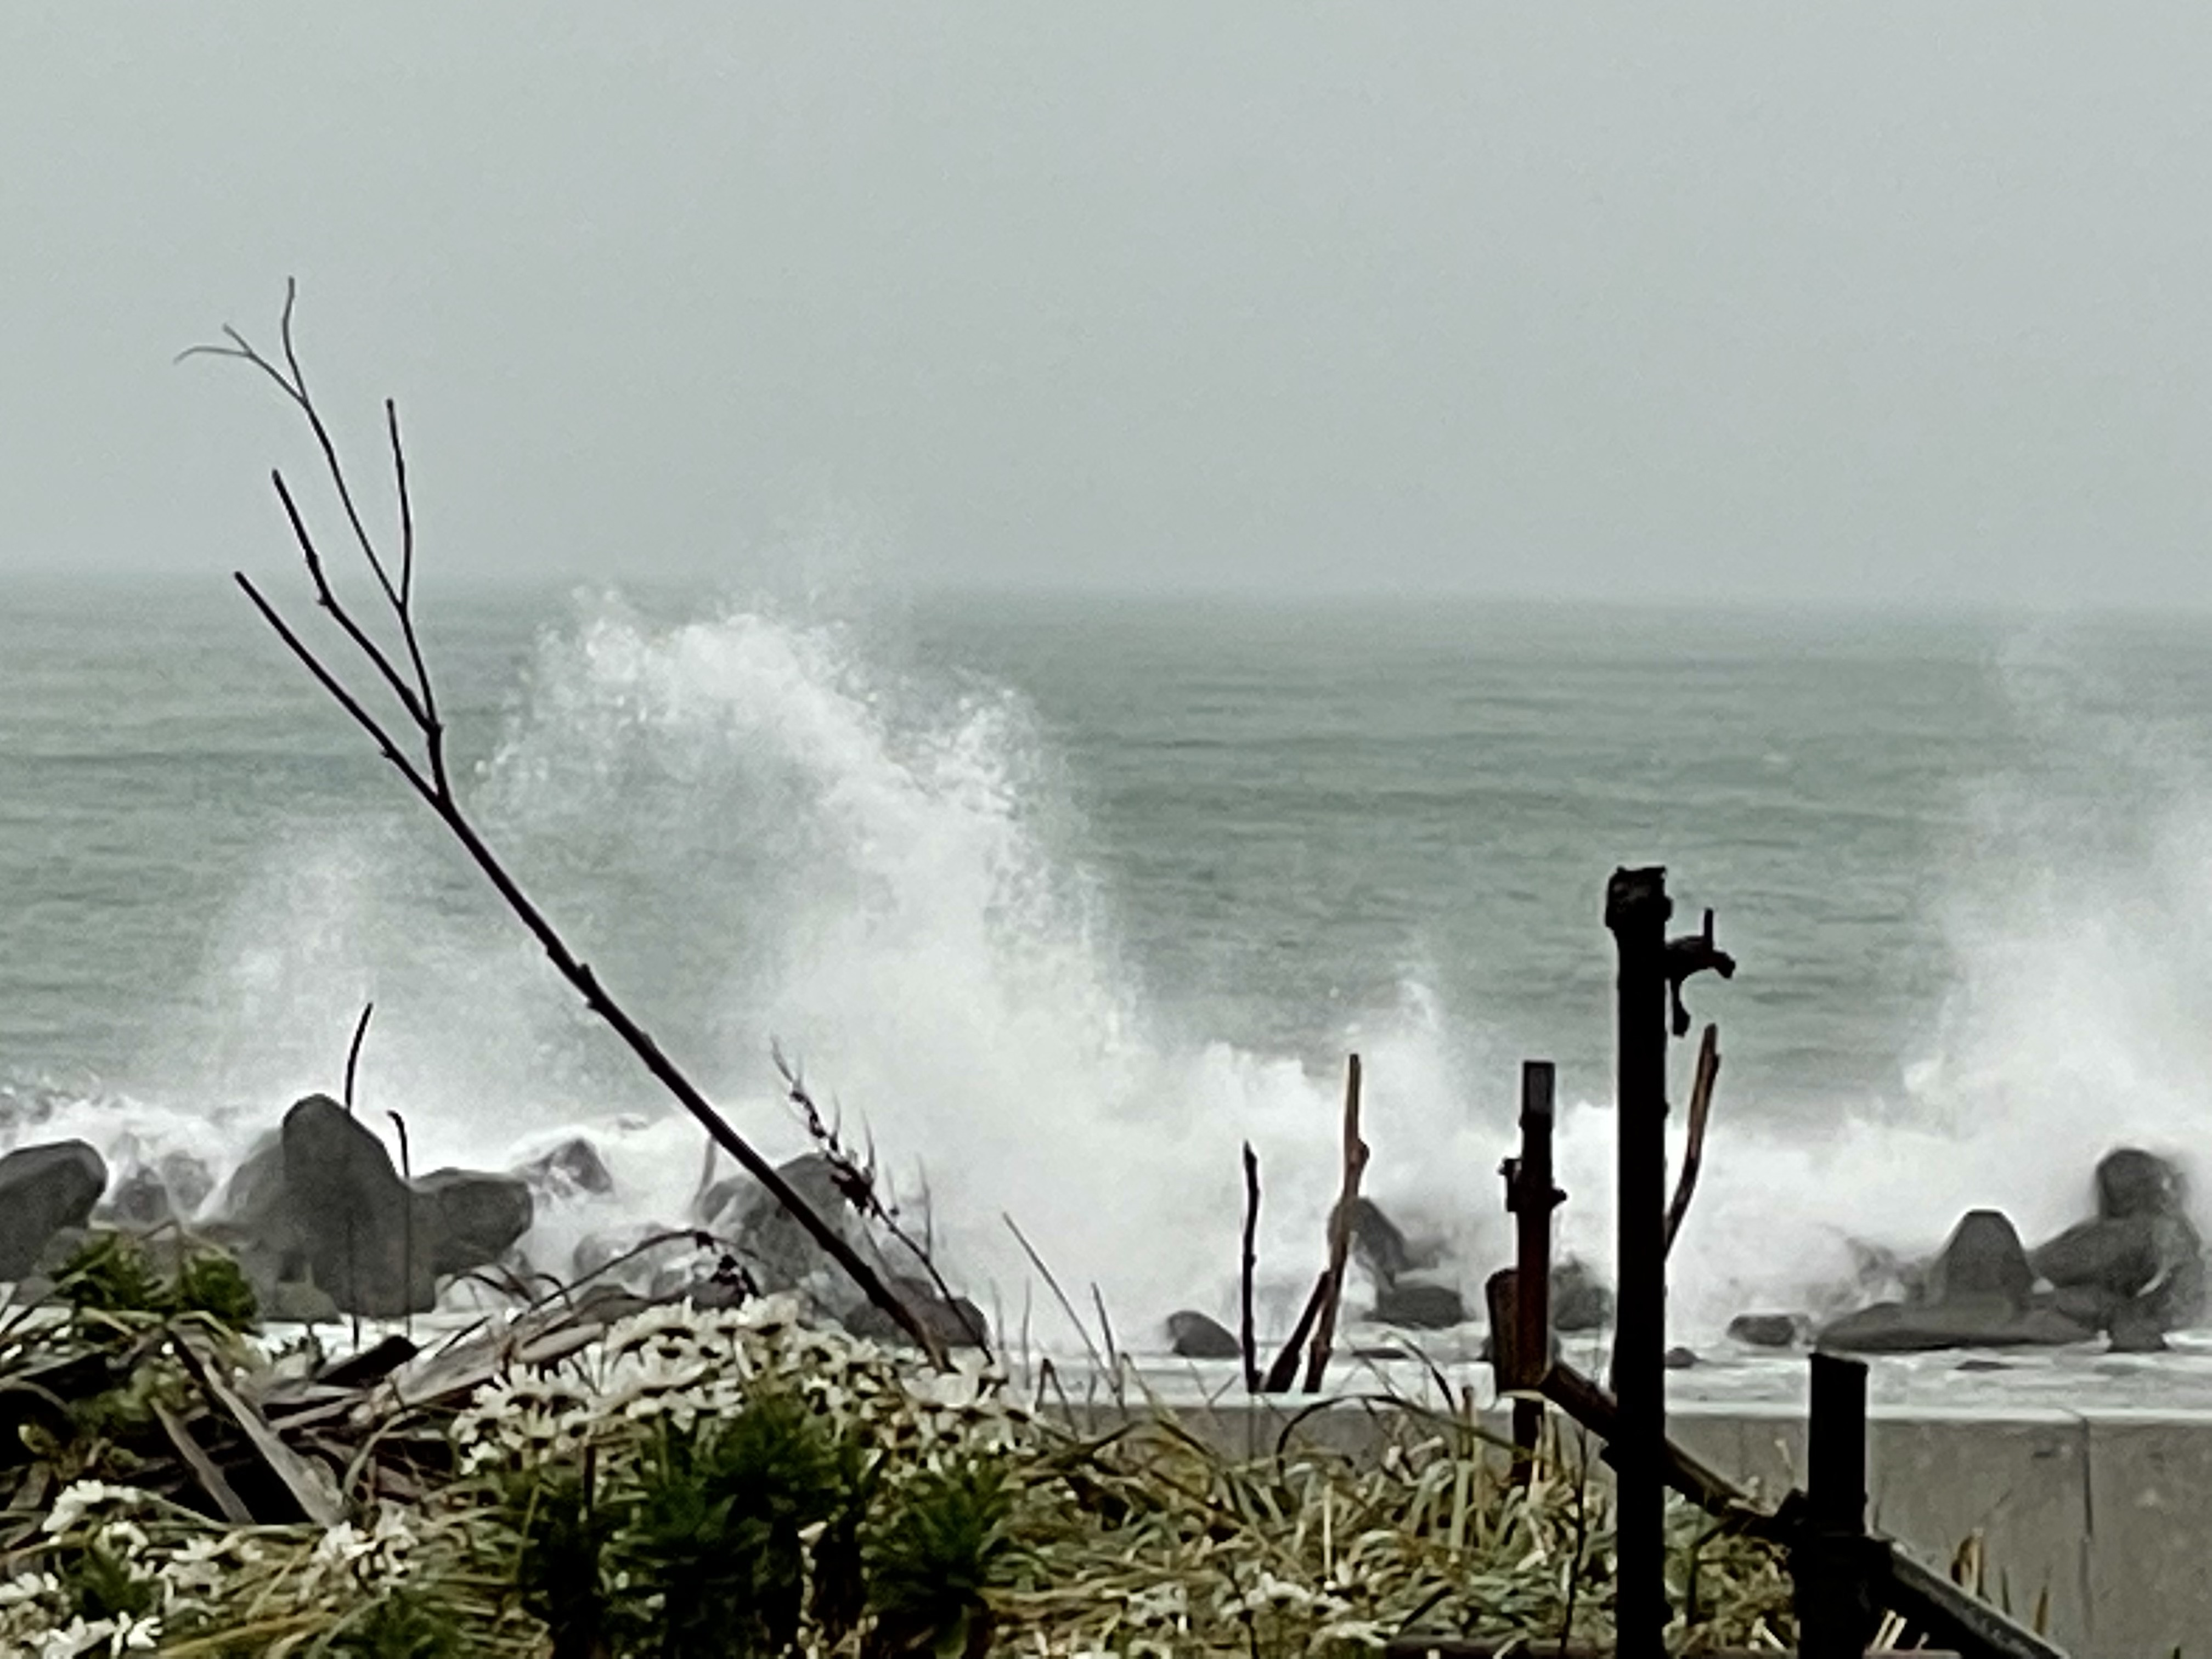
(720, 1527)
(210, 1283)
(109, 1273)
(99, 1585)
(562, 1573)
(113, 1274)
(931, 1557)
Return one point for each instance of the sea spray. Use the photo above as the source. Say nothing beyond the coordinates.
(759, 828)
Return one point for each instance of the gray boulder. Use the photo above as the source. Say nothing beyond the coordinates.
(2138, 1266)
(1420, 1306)
(1580, 1300)
(138, 1200)
(628, 1256)
(1193, 1335)
(351, 1214)
(958, 1323)
(43, 1190)
(772, 1242)
(1768, 1330)
(1976, 1295)
(1381, 1247)
(775, 1248)
(322, 1205)
(148, 1194)
(2132, 1181)
(472, 1218)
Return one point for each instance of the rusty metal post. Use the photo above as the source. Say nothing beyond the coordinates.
(1831, 1558)
(1531, 1196)
(1637, 909)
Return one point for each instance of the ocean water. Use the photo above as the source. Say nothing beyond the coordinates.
(1062, 899)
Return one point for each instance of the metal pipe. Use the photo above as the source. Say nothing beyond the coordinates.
(1530, 1195)
(1832, 1563)
(1636, 909)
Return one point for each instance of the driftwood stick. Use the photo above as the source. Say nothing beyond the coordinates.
(1285, 1371)
(203, 1467)
(427, 777)
(1694, 1149)
(1339, 1231)
(1246, 1340)
(1597, 1411)
(308, 1485)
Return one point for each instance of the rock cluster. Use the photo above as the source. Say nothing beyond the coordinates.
(321, 1221)
(1409, 1289)
(1978, 1294)
(2137, 1268)
(2134, 1271)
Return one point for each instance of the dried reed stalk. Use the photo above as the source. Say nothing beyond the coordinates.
(1339, 1231)
(1693, 1150)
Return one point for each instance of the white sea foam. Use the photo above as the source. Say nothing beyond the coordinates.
(763, 835)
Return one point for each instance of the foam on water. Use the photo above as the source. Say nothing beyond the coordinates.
(757, 833)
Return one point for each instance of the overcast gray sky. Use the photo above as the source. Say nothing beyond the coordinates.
(1902, 303)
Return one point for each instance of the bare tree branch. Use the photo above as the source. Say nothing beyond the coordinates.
(426, 775)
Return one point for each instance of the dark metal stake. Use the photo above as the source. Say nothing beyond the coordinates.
(1530, 1195)
(1833, 1560)
(1637, 909)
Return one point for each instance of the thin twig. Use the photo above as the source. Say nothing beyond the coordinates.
(406, 1228)
(854, 1177)
(1582, 1535)
(434, 728)
(1247, 1340)
(1693, 1150)
(1097, 1364)
(1339, 1229)
(326, 597)
(1106, 1331)
(353, 1054)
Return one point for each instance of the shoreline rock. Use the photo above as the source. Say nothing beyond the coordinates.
(319, 1208)
(45, 1190)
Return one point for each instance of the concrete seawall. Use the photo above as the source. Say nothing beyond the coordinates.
(2102, 1517)
(2099, 1521)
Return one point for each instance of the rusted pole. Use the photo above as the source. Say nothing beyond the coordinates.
(1636, 912)
(1831, 1560)
(1530, 1195)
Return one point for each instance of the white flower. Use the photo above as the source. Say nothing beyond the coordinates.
(75, 1638)
(134, 1633)
(969, 1384)
(124, 1538)
(27, 1587)
(81, 1498)
(342, 1543)
(379, 1553)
